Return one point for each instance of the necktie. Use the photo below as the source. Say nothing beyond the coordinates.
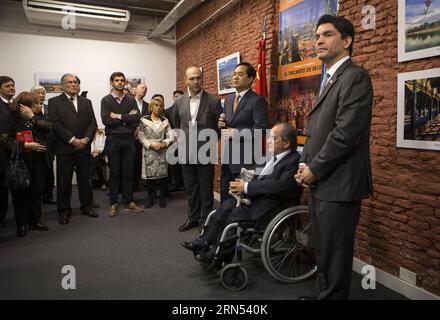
(71, 100)
(236, 102)
(268, 169)
(324, 83)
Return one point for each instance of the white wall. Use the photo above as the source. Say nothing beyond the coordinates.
(92, 60)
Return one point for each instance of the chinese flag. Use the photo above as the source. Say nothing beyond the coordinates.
(261, 85)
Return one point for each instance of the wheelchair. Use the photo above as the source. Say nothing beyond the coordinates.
(284, 244)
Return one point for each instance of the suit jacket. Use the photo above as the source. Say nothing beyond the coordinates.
(207, 118)
(144, 111)
(337, 148)
(6, 136)
(68, 123)
(277, 190)
(251, 114)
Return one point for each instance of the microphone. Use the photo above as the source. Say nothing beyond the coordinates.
(223, 117)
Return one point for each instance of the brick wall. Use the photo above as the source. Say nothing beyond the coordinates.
(400, 224)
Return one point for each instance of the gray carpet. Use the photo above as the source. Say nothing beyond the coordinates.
(131, 256)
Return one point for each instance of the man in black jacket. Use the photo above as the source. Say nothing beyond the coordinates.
(120, 115)
(271, 190)
(7, 91)
(74, 126)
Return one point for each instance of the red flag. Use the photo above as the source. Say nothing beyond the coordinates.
(261, 83)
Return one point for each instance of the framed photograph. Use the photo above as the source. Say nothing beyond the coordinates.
(418, 109)
(131, 82)
(418, 29)
(51, 81)
(225, 68)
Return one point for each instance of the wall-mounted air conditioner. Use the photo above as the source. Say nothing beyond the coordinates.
(76, 16)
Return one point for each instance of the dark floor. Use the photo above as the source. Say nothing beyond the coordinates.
(131, 256)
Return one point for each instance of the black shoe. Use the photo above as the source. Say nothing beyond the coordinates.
(64, 218)
(22, 231)
(90, 213)
(49, 201)
(307, 298)
(188, 225)
(38, 226)
(2, 224)
(192, 246)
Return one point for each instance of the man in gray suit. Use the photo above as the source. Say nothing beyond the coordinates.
(196, 110)
(335, 163)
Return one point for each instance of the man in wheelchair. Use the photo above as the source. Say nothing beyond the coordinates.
(272, 189)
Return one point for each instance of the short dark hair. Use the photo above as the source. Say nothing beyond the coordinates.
(345, 27)
(116, 74)
(177, 91)
(250, 70)
(5, 79)
(288, 134)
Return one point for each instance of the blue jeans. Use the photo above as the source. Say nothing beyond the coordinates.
(120, 152)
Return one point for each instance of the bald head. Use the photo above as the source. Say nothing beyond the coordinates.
(194, 80)
(140, 91)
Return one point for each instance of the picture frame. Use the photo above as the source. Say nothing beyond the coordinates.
(131, 82)
(418, 31)
(225, 69)
(418, 115)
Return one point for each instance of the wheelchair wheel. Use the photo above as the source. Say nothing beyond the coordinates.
(286, 248)
(233, 277)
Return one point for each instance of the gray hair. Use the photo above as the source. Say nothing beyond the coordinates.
(35, 88)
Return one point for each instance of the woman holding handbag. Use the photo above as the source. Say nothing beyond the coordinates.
(14, 122)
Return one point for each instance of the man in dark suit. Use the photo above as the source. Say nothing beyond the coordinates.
(140, 92)
(193, 112)
(335, 163)
(7, 92)
(272, 190)
(244, 110)
(74, 126)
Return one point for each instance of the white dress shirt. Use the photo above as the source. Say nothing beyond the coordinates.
(194, 104)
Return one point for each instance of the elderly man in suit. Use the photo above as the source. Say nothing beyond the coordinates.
(195, 111)
(335, 163)
(272, 190)
(74, 126)
(244, 110)
(7, 92)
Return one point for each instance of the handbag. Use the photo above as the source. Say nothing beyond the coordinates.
(17, 175)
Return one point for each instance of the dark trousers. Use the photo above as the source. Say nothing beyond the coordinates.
(334, 228)
(97, 169)
(224, 215)
(199, 184)
(49, 182)
(226, 177)
(137, 165)
(175, 176)
(66, 164)
(20, 202)
(3, 198)
(39, 171)
(120, 153)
